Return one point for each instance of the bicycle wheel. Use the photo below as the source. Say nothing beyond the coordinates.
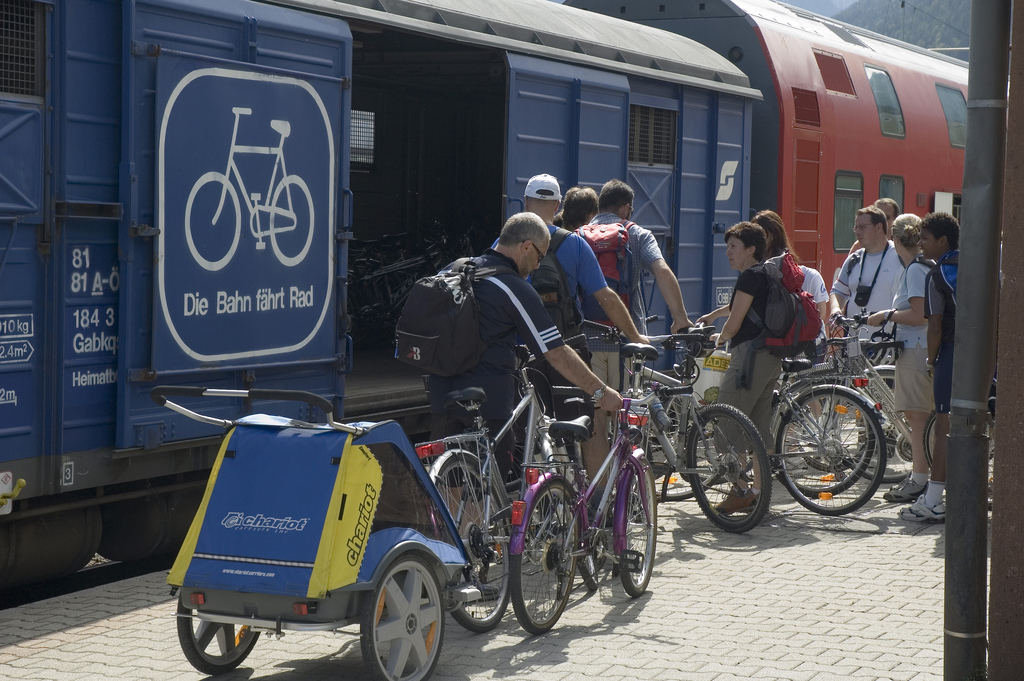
(456, 475)
(641, 509)
(298, 218)
(899, 455)
(208, 221)
(831, 448)
(212, 647)
(726, 460)
(929, 438)
(673, 485)
(542, 575)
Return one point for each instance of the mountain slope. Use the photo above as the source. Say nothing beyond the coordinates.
(926, 23)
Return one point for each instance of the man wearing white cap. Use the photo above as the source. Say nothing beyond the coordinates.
(542, 198)
(583, 277)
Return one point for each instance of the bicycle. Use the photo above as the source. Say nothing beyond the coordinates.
(674, 486)
(829, 443)
(723, 452)
(850, 363)
(277, 189)
(828, 438)
(990, 428)
(470, 484)
(551, 525)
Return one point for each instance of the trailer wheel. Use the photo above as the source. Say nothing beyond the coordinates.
(212, 647)
(402, 625)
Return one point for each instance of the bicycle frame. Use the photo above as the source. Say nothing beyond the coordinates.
(250, 200)
(536, 429)
(876, 389)
(624, 458)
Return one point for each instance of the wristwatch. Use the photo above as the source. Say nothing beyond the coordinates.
(598, 394)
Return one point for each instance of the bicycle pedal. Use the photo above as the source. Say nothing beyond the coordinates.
(632, 561)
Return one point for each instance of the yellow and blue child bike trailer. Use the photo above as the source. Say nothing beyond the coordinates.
(313, 527)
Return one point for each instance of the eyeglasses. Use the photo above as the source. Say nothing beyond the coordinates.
(540, 256)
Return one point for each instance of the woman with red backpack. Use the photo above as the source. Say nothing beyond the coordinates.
(753, 372)
(778, 244)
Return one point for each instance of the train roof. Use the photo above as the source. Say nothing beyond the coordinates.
(550, 30)
(848, 38)
(771, 15)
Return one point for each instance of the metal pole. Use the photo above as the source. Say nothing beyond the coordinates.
(974, 361)
(1006, 607)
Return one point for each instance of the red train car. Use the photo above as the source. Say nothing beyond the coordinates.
(848, 115)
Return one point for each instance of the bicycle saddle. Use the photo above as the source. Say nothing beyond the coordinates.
(284, 128)
(792, 366)
(639, 349)
(577, 430)
(465, 395)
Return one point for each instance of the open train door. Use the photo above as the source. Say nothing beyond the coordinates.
(690, 169)
(565, 120)
(234, 240)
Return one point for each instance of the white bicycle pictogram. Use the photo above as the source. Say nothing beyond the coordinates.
(277, 202)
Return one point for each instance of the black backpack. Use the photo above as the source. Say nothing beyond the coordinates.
(439, 329)
(552, 284)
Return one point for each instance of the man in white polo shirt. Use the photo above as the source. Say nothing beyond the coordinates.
(869, 274)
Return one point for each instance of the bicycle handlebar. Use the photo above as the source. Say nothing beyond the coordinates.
(160, 393)
(856, 320)
(610, 332)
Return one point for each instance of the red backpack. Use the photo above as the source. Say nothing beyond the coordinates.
(791, 322)
(610, 244)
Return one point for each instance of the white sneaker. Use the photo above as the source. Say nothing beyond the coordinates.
(921, 512)
(905, 492)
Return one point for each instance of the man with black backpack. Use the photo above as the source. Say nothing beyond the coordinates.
(570, 270)
(508, 305)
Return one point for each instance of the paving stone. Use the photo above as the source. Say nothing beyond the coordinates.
(799, 598)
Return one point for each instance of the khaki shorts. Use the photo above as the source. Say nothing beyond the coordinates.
(913, 384)
(607, 367)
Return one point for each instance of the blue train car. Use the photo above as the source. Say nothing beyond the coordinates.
(181, 184)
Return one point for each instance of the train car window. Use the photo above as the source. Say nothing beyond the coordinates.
(834, 73)
(891, 187)
(652, 135)
(363, 137)
(890, 115)
(849, 198)
(805, 107)
(955, 108)
(22, 62)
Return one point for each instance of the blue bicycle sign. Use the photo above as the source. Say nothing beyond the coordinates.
(246, 182)
(277, 203)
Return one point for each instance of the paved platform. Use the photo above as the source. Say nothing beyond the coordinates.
(801, 597)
